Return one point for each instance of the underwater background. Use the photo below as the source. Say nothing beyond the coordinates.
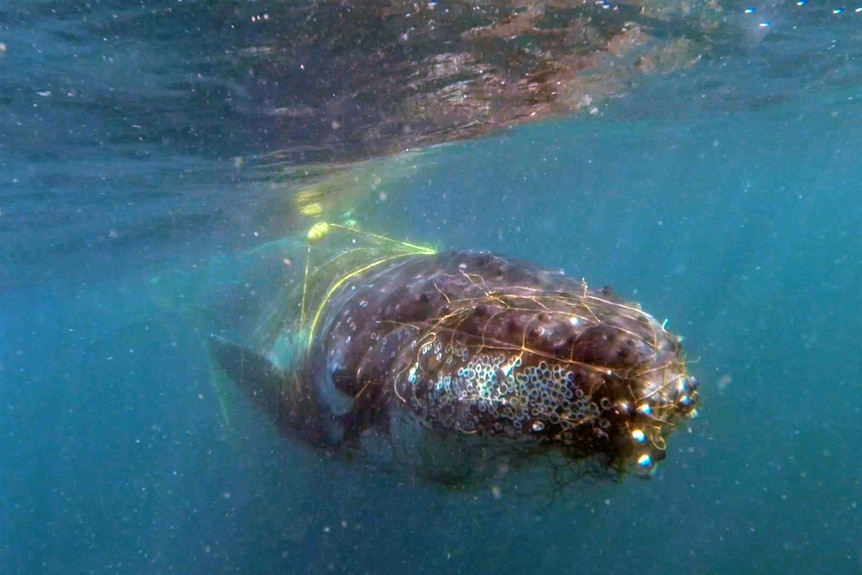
(724, 196)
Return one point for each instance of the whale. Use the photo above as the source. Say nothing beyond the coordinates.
(459, 365)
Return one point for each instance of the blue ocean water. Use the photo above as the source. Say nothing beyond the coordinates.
(724, 197)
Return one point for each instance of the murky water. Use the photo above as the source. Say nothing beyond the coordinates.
(143, 149)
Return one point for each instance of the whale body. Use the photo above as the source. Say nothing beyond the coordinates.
(460, 364)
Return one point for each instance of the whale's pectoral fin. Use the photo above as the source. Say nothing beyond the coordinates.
(258, 378)
(273, 392)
